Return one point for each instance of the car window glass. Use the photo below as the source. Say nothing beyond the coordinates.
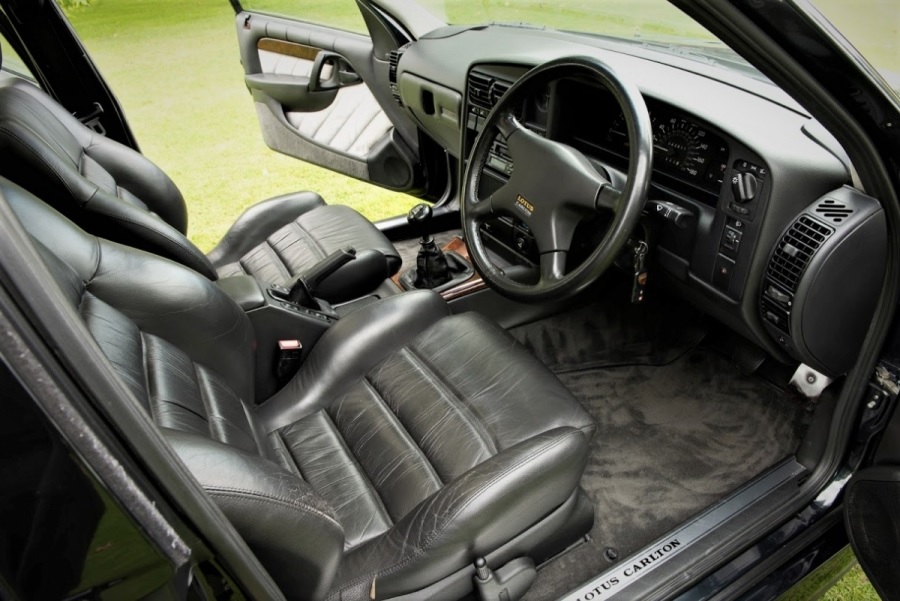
(873, 27)
(12, 63)
(342, 14)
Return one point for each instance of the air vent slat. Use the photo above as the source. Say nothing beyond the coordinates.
(479, 86)
(795, 250)
(833, 210)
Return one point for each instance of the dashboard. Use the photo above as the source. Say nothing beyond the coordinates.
(736, 164)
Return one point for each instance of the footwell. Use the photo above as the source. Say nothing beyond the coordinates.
(672, 440)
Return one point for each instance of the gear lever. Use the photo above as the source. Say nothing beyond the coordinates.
(431, 264)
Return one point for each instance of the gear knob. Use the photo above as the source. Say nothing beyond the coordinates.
(419, 219)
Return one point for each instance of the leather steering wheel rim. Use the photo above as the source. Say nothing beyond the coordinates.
(553, 186)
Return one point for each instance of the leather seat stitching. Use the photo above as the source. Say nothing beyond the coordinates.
(146, 365)
(206, 402)
(362, 472)
(35, 152)
(228, 491)
(280, 263)
(450, 391)
(394, 419)
(194, 256)
(278, 438)
(311, 241)
(28, 105)
(421, 550)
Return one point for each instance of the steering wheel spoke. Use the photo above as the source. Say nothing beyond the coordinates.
(553, 267)
(503, 200)
(481, 210)
(509, 125)
(608, 198)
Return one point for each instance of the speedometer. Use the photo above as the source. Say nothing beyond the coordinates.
(681, 146)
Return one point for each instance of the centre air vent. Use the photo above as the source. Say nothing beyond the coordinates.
(795, 250)
(498, 89)
(833, 210)
(479, 87)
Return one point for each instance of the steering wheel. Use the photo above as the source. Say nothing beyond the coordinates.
(553, 186)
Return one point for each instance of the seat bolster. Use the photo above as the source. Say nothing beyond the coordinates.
(348, 350)
(259, 222)
(116, 220)
(470, 517)
(293, 532)
(142, 178)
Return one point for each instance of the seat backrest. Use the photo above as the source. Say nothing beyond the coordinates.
(186, 352)
(105, 187)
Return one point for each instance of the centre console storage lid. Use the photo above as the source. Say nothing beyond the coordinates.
(244, 290)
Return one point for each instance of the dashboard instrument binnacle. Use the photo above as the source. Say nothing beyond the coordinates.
(683, 149)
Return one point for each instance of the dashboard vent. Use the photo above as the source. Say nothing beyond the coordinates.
(393, 61)
(480, 89)
(795, 250)
(498, 89)
(833, 210)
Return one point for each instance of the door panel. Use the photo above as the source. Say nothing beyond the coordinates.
(313, 89)
(351, 122)
(872, 519)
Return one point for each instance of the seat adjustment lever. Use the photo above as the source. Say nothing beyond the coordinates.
(508, 583)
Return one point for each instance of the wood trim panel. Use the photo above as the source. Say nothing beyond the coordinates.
(288, 48)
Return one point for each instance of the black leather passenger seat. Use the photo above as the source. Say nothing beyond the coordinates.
(409, 443)
(115, 192)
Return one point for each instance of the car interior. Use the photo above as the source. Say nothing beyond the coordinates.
(620, 322)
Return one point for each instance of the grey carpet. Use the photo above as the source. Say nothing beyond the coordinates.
(672, 440)
(613, 331)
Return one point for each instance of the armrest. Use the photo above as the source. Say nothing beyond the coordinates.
(244, 290)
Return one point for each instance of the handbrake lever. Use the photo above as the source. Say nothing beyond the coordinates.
(302, 288)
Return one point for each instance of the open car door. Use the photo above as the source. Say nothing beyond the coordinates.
(872, 514)
(323, 95)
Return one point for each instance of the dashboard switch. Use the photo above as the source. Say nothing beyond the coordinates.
(744, 186)
(722, 272)
(670, 212)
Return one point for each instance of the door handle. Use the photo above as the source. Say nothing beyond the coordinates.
(342, 72)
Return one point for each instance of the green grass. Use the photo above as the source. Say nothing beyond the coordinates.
(175, 68)
(174, 65)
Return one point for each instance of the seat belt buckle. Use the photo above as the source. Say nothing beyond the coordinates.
(290, 354)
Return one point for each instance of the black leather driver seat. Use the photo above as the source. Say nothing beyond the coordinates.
(117, 193)
(409, 443)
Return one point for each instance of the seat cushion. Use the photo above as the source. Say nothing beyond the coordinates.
(285, 236)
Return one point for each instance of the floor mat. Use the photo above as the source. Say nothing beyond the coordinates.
(613, 331)
(671, 441)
